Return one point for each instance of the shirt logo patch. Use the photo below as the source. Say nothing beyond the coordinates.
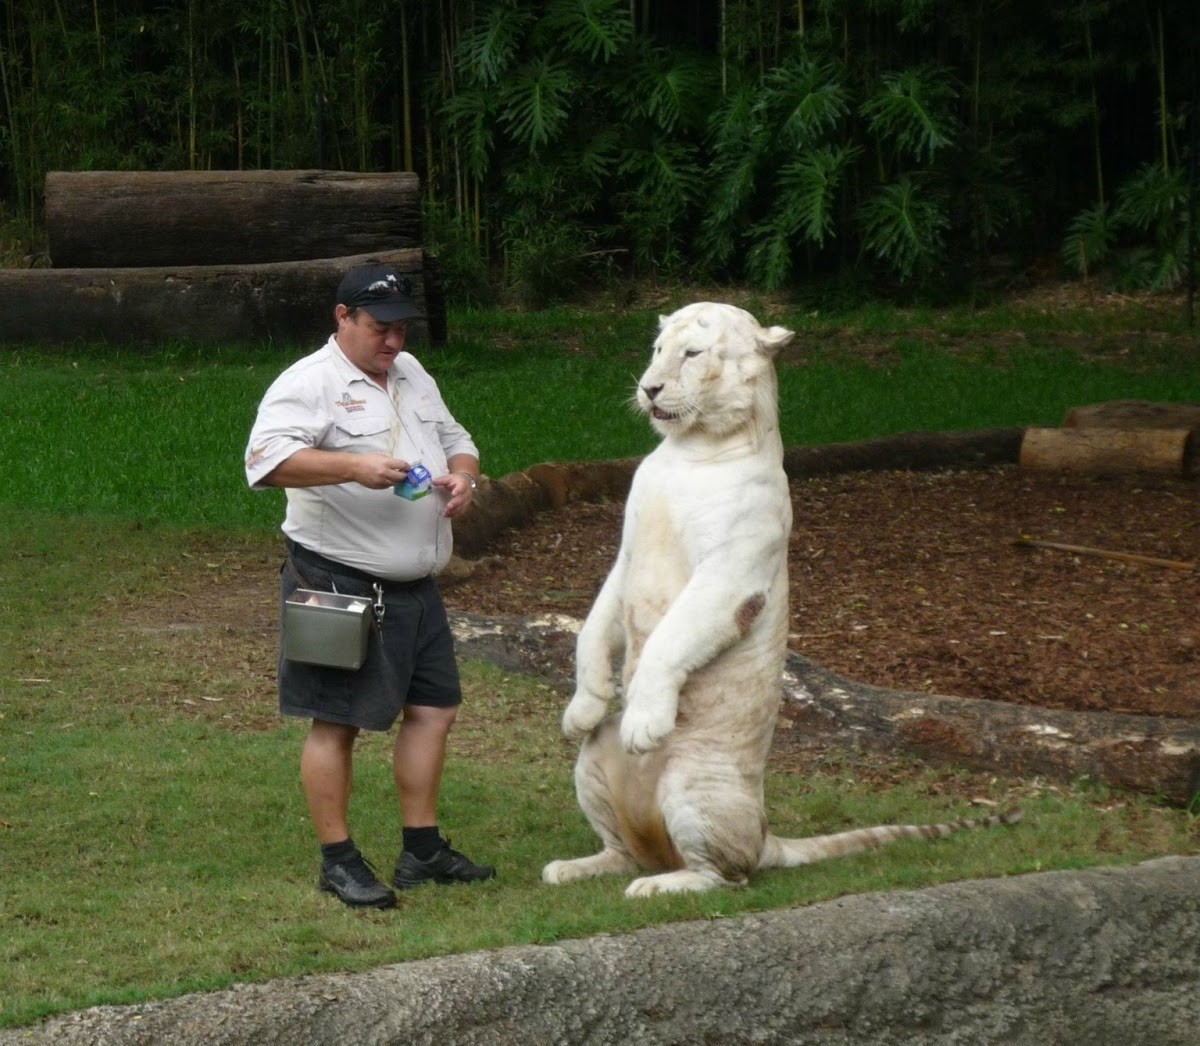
(349, 404)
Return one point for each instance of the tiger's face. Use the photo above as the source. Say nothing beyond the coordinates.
(712, 372)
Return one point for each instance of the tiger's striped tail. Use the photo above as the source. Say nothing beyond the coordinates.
(789, 853)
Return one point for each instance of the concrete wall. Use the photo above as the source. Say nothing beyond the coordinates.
(1108, 957)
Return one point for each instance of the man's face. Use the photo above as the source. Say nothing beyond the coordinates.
(370, 345)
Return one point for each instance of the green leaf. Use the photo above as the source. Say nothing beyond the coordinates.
(904, 228)
(534, 102)
(769, 260)
(808, 186)
(911, 109)
(802, 100)
(597, 29)
(1153, 199)
(1087, 242)
(489, 48)
(469, 115)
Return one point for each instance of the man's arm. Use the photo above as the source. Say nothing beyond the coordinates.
(310, 467)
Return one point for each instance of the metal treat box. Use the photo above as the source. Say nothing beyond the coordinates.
(325, 628)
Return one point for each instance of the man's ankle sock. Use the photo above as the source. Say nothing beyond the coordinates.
(422, 843)
(333, 853)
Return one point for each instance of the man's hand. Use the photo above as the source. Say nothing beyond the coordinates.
(378, 471)
(458, 489)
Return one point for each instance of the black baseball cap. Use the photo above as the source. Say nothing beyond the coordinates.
(381, 291)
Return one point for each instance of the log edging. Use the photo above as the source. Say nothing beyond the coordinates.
(515, 498)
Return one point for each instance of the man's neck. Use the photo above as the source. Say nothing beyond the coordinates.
(378, 376)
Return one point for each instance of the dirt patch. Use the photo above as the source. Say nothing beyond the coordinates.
(910, 581)
(913, 581)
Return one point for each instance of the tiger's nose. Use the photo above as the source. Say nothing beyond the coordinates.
(652, 391)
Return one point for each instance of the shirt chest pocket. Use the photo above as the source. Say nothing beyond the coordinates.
(362, 433)
(429, 433)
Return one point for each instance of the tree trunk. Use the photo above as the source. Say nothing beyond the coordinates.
(115, 219)
(285, 302)
(1105, 451)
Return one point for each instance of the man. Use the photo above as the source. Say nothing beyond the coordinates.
(340, 430)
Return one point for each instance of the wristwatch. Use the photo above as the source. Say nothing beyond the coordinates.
(470, 479)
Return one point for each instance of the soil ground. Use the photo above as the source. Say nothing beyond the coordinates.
(914, 581)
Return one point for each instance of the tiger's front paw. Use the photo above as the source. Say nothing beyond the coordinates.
(583, 714)
(643, 727)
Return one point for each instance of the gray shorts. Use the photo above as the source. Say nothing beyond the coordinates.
(410, 660)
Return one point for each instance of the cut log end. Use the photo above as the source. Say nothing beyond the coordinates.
(1108, 451)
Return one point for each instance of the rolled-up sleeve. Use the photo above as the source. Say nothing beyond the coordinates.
(289, 419)
(456, 439)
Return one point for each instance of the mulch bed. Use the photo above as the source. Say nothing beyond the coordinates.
(914, 581)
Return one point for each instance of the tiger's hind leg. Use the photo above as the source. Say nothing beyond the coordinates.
(598, 780)
(715, 820)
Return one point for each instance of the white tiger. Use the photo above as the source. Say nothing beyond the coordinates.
(696, 604)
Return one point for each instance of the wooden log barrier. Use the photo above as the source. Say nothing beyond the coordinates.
(115, 219)
(1134, 414)
(287, 302)
(1107, 451)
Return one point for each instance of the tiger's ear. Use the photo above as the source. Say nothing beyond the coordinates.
(772, 339)
(663, 321)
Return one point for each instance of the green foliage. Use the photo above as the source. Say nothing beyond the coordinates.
(778, 168)
(464, 266)
(911, 111)
(738, 149)
(593, 29)
(1153, 205)
(1088, 240)
(904, 226)
(805, 211)
(803, 99)
(535, 102)
(716, 141)
(550, 264)
(489, 46)
(1149, 223)
(1154, 200)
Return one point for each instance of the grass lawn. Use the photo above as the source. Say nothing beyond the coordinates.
(153, 839)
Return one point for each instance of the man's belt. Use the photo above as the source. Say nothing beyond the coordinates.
(310, 558)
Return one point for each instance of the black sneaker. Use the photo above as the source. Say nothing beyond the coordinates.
(353, 882)
(445, 866)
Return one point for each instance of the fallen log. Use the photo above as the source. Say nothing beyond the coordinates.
(515, 499)
(286, 302)
(907, 450)
(1134, 414)
(1107, 451)
(117, 219)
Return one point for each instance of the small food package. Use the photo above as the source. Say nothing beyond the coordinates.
(416, 484)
